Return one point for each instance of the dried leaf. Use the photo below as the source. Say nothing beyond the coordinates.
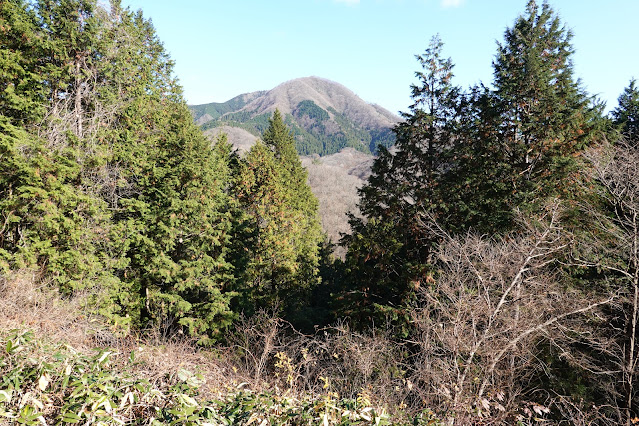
(43, 382)
(485, 403)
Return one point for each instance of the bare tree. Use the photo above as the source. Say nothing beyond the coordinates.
(615, 249)
(482, 318)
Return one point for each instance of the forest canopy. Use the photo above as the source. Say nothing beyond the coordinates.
(495, 259)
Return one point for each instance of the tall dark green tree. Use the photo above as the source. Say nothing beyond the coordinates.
(59, 225)
(469, 161)
(546, 117)
(269, 220)
(281, 141)
(108, 172)
(626, 115)
(49, 223)
(169, 193)
(22, 91)
(479, 179)
(521, 142)
(54, 222)
(283, 235)
(390, 246)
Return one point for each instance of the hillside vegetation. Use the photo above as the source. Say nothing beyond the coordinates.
(62, 366)
(149, 275)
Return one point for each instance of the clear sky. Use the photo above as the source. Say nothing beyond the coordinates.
(223, 48)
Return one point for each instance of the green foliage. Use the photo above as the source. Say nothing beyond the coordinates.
(546, 118)
(271, 252)
(626, 115)
(282, 234)
(315, 130)
(114, 187)
(66, 387)
(174, 214)
(172, 205)
(521, 143)
(216, 109)
(308, 108)
(381, 138)
(242, 119)
(377, 286)
(48, 222)
(23, 88)
(467, 161)
(389, 248)
(108, 187)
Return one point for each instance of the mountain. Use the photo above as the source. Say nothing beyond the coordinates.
(325, 117)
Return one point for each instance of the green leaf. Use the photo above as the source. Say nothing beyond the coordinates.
(69, 417)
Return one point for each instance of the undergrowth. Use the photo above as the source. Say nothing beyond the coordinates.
(60, 365)
(45, 383)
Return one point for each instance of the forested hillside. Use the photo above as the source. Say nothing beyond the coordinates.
(150, 275)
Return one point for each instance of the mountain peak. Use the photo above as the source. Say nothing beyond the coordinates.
(324, 116)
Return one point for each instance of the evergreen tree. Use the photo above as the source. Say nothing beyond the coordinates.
(22, 94)
(300, 197)
(49, 223)
(109, 173)
(390, 247)
(521, 143)
(52, 221)
(467, 162)
(626, 115)
(282, 235)
(170, 202)
(479, 194)
(546, 118)
(262, 195)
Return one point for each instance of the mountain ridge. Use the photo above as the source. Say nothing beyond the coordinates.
(323, 115)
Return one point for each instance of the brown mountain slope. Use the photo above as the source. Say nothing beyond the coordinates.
(334, 180)
(326, 94)
(324, 116)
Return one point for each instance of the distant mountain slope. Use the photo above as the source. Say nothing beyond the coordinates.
(324, 116)
(335, 180)
(212, 111)
(241, 139)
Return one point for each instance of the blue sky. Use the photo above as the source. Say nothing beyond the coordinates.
(225, 48)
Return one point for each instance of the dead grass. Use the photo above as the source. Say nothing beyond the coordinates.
(263, 353)
(26, 302)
